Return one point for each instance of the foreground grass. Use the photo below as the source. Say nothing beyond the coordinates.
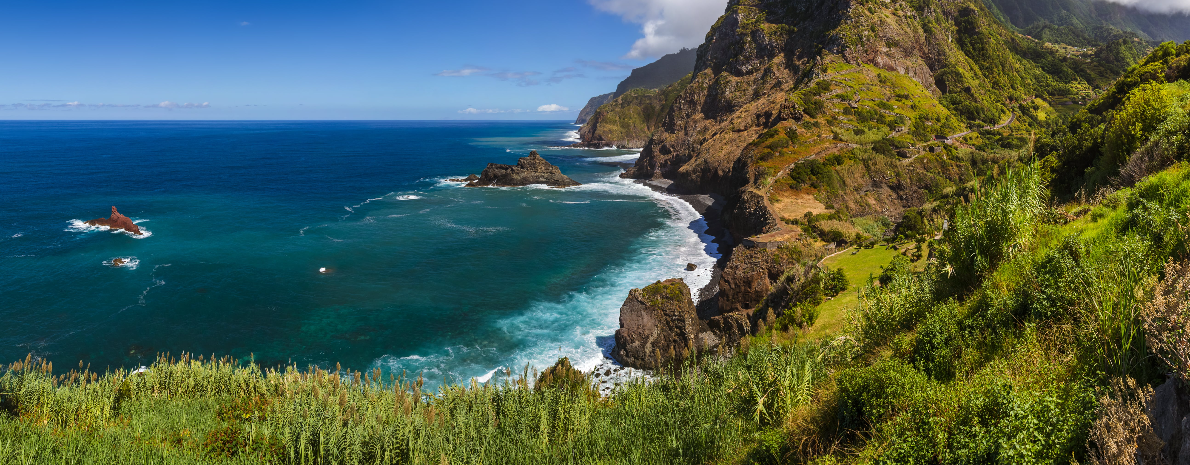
(201, 411)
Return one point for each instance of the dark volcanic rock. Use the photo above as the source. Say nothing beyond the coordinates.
(730, 329)
(658, 326)
(528, 170)
(117, 221)
(746, 280)
(469, 178)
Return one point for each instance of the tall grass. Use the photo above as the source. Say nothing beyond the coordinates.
(994, 225)
(188, 410)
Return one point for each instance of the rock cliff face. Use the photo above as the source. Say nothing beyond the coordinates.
(658, 326)
(528, 170)
(772, 64)
(1169, 415)
(798, 109)
(117, 221)
(630, 119)
(588, 111)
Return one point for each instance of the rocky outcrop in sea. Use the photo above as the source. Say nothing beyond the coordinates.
(660, 328)
(117, 221)
(528, 170)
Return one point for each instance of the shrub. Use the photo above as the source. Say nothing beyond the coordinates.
(815, 174)
(913, 224)
(1167, 318)
(813, 106)
(998, 221)
(563, 377)
(871, 395)
(1122, 432)
(835, 282)
(1143, 110)
(938, 345)
(902, 299)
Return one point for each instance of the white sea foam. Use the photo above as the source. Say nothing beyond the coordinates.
(487, 376)
(14, 236)
(80, 226)
(581, 324)
(408, 197)
(664, 254)
(572, 136)
(435, 367)
(615, 158)
(128, 262)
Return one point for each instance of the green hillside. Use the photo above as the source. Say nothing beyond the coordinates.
(1077, 22)
(1010, 282)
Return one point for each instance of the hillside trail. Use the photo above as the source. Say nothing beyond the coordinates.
(1011, 118)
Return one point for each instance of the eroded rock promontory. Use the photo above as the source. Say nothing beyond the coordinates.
(528, 170)
(117, 221)
(658, 326)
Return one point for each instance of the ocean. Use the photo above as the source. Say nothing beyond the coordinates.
(421, 274)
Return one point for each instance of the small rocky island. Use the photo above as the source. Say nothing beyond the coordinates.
(117, 221)
(528, 170)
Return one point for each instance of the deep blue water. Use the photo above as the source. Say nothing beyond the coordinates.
(422, 275)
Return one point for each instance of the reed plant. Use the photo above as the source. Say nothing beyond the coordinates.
(193, 410)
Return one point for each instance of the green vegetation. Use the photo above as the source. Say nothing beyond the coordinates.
(195, 411)
(1009, 336)
(1101, 146)
(631, 118)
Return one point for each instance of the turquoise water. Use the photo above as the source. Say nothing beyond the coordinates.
(422, 275)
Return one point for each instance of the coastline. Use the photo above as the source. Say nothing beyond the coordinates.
(608, 374)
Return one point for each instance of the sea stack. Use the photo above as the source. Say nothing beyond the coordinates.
(659, 326)
(528, 170)
(117, 221)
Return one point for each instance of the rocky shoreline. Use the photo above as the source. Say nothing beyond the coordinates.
(609, 374)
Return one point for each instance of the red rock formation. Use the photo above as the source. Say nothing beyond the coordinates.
(117, 221)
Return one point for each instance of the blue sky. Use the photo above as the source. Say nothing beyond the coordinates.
(330, 60)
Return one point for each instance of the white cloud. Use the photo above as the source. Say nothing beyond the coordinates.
(476, 111)
(669, 25)
(552, 108)
(462, 72)
(245, 23)
(1157, 6)
(79, 105)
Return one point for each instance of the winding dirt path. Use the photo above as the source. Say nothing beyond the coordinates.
(1011, 117)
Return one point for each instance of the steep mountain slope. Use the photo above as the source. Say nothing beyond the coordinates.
(629, 120)
(589, 110)
(863, 80)
(1088, 17)
(661, 73)
(1136, 127)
